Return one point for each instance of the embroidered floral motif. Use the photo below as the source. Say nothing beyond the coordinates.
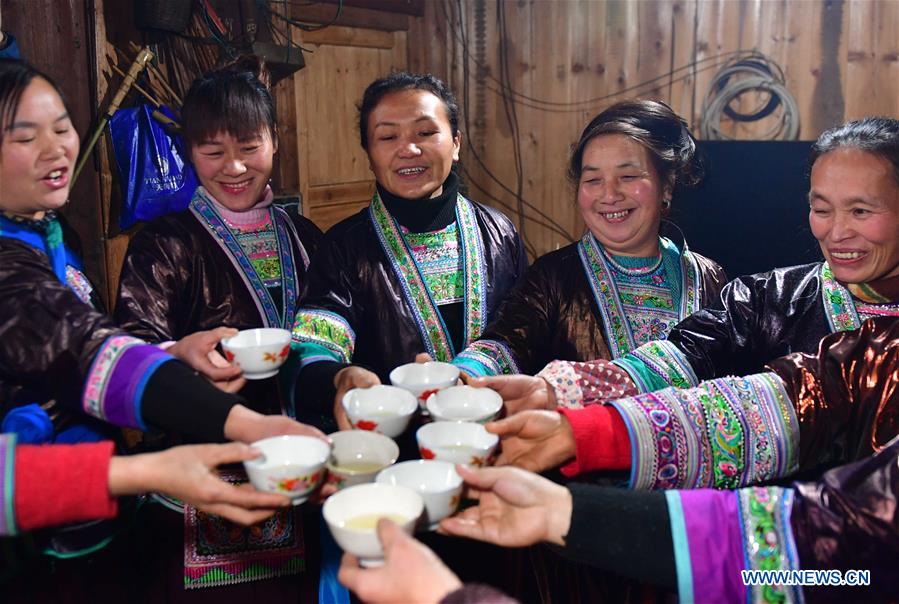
(663, 359)
(327, 330)
(490, 358)
(418, 297)
(257, 283)
(768, 540)
(438, 258)
(838, 304)
(93, 400)
(637, 307)
(726, 433)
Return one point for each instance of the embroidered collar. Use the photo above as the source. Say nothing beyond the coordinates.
(204, 210)
(618, 333)
(427, 317)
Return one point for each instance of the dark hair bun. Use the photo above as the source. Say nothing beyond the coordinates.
(252, 64)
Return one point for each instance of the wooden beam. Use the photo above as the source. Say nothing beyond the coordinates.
(349, 36)
(350, 16)
(415, 8)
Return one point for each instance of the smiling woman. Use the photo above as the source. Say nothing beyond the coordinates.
(232, 258)
(622, 284)
(422, 269)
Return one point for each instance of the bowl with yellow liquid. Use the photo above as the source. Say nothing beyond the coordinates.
(438, 483)
(383, 409)
(466, 443)
(357, 456)
(352, 516)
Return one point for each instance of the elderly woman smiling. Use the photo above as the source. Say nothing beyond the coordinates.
(622, 284)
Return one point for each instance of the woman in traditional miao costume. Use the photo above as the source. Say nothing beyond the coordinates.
(231, 259)
(67, 373)
(422, 269)
(622, 284)
(854, 215)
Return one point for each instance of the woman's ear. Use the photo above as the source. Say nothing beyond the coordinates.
(457, 145)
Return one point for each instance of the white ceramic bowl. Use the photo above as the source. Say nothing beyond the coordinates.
(384, 409)
(357, 456)
(457, 442)
(436, 481)
(289, 465)
(465, 404)
(424, 379)
(260, 352)
(352, 516)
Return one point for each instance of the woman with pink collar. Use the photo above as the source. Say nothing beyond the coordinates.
(232, 258)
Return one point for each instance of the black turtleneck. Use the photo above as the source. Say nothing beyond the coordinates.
(424, 215)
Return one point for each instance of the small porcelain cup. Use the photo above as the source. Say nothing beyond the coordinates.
(384, 409)
(465, 404)
(457, 442)
(260, 352)
(358, 455)
(424, 379)
(352, 516)
(289, 465)
(436, 481)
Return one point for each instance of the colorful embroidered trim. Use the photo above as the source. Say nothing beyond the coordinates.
(415, 291)
(8, 526)
(768, 541)
(616, 326)
(869, 311)
(437, 255)
(322, 332)
(116, 380)
(838, 304)
(209, 217)
(656, 363)
(725, 433)
(487, 357)
(219, 552)
(79, 284)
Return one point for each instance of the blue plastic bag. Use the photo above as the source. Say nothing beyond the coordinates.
(155, 177)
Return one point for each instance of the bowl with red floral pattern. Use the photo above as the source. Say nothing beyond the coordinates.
(466, 443)
(424, 379)
(289, 465)
(260, 352)
(383, 409)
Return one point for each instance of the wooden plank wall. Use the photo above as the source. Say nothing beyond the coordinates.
(567, 60)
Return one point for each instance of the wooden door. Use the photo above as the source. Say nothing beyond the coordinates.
(334, 177)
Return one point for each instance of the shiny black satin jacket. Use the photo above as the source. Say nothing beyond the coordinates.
(553, 313)
(846, 395)
(756, 318)
(48, 336)
(177, 280)
(849, 519)
(350, 275)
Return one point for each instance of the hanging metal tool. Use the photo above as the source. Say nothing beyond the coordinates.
(137, 66)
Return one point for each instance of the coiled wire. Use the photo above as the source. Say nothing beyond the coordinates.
(742, 75)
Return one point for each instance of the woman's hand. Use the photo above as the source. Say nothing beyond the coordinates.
(198, 351)
(515, 508)
(248, 426)
(534, 440)
(411, 571)
(519, 392)
(345, 380)
(187, 473)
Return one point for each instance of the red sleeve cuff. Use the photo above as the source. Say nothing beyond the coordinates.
(58, 484)
(601, 440)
